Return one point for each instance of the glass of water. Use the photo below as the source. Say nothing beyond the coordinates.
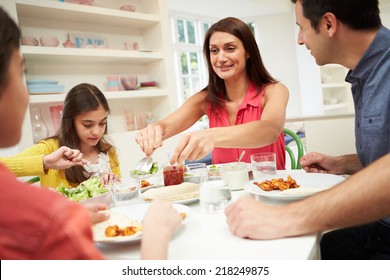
(125, 193)
(263, 164)
(196, 173)
(214, 196)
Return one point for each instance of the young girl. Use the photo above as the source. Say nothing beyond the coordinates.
(79, 150)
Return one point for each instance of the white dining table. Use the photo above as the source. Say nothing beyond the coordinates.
(206, 236)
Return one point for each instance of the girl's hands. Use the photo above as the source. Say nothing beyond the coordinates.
(63, 158)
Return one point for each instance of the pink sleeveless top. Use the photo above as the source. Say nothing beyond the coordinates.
(250, 110)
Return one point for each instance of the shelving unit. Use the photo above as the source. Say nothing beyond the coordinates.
(336, 93)
(148, 26)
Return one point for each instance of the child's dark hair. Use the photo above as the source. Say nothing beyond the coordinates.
(9, 42)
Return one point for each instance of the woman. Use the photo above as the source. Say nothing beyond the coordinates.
(245, 105)
(79, 150)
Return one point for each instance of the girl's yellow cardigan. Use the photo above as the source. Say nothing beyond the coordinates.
(30, 163)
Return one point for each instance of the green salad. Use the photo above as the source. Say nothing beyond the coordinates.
(152, 170)
(87, 189)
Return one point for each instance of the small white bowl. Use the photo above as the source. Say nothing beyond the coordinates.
(49, 41)
(128, 7)
(29, 41)
(129, 82)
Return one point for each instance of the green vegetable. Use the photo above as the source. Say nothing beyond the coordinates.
(214, 168)
(87, 189)
(152, 170)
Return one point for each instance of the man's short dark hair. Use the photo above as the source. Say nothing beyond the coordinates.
(358, 15)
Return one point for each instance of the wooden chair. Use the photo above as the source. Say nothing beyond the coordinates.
(294, 161)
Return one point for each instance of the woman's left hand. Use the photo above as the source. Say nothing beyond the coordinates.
(193, 146)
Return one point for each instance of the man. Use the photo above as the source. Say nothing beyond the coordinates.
(349, 33)
(38, 223)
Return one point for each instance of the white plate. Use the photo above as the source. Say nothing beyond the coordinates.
(187, 201)
(310, 183)
(132, 213)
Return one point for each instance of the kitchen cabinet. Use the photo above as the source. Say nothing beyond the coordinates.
(152, 61)
(336, 92)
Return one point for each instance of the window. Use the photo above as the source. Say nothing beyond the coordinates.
(188, 35)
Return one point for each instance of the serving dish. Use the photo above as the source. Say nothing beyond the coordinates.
(125, 216)
(310, 183)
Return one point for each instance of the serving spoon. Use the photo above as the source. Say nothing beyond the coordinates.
(144, 165)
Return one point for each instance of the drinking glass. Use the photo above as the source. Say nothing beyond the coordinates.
(263, 163)
(235, 174)
(196, 173)
(129, 118)
(214, 196)
(125, 193)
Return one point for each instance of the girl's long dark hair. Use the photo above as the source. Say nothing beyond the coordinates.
(80, 99)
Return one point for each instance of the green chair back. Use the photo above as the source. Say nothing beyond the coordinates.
(294, 161)
(33, 180)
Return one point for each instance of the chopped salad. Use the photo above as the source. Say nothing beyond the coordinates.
(87, 189)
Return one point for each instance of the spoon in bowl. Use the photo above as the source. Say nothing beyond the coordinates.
(240, 157)
(144, 165)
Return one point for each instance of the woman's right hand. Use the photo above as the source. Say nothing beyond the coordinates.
(63, 158)
(149, 139)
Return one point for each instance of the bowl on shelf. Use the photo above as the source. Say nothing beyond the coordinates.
(129, 82)
(29, 41)
(51, 41)
(130, 45)
(128, 7)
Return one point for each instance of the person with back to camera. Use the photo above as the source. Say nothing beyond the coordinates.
(81, 138)
(245, 105)
(335, 31)
(36, 223)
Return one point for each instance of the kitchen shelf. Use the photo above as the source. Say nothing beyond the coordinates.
(336, 106)
(54, 11)
(110, 95)
(336, 92)
(64, 55)
(148, 26)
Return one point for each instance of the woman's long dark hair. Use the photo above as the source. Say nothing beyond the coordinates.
(80, 99)
(255, 68)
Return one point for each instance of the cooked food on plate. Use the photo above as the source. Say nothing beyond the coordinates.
(145, 184)
(118, 226)
(277, 184)
(115, 230)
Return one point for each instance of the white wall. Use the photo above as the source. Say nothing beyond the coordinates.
(277, 48)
